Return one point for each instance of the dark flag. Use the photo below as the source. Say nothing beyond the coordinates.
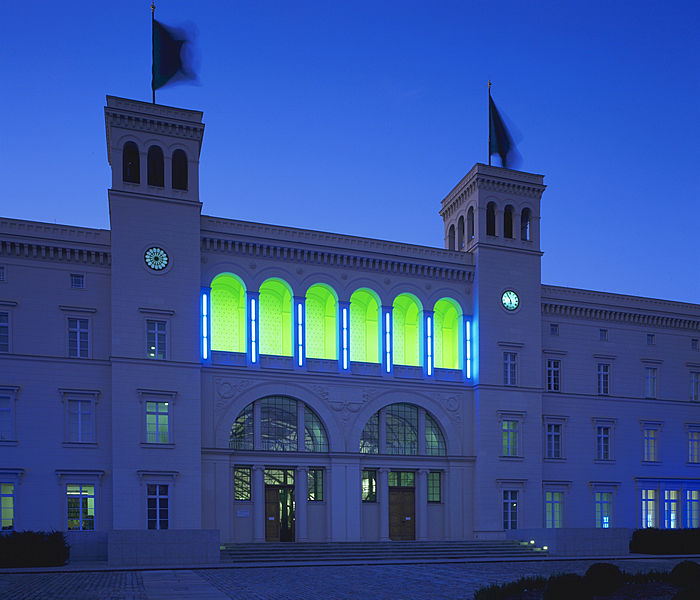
(169, 56)
(500, 140)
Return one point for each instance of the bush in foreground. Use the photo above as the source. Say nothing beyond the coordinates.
(497, 591)
(569, 586)
(602, 579)
(33, 549)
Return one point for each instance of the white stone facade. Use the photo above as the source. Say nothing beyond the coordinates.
(119, 385)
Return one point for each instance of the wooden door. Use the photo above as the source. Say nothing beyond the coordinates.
(272, 513)
(402, 513)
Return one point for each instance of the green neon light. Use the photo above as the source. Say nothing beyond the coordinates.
(407, 346)
(275, 318)
(447, 320)
(228, 326)
(364, 326)
(321, 323)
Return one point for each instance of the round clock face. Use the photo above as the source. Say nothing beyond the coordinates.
(510, 300)
(156, 258)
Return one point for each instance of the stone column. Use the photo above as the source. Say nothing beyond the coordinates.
(300, 497)
(383, 498)
(258, 504)
(422, 505)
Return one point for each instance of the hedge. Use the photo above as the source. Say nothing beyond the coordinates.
(33, 549)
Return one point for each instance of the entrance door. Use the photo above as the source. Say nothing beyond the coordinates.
(402, 505)
(279, 505)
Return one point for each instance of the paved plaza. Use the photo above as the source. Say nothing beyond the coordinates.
(357, 582)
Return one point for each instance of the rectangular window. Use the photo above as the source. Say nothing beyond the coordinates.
(672, 509)
(554, 510)
(4, 332)
(694, 446)
(241, 484)
(648, 508)
(78, 338)
(369, 486)
(510, 509)
(695, 344)
(554, 329)
(553, 375)
(692, 508)
(603, 379)
(81, 507)
(155, 339)
(3, 274)
(434, 491)
(6, 417)
(650, 444)
(77, 281)
(603, 509)
(157, 506)
(553, 441)
(7, 506)
(603, 335)
(509, 437)
(157, 422)
(402, 479)
(650, 374)
(651, 339)
(694, 386)
(510, 368)
(602, 442)
(80, 419)
(315, 487)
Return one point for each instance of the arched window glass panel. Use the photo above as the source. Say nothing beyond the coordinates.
(451, 238)
(508, 222)
(364, 326)
(369, 440)
(275, 318)
(525, 224)
(447, 315)
(407, 330)
(460, 234)
(228, 323)
(491, 219)
(315, 438)
(242, 431)
(278, 424)
(321, 323)
(156, 168)
(131, 168)
(470, 223)
(402, 429)
(434, 440)
(179, 167)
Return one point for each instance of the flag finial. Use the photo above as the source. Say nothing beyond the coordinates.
(153, 8)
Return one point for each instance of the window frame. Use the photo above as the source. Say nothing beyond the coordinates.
(242, 473)
(12, 477)
(81, 396)
(598, 435)
(432, 486)
(510, 368)
(599, 502)
(553, 374)
(651, 444)
(560, 492)
(650, 382)
(604, 334)
(315, 484)
(157, 485)
(507, 508)
(510, 450)
(555, 436)
(78, 331)
(645, 504)
(693, 436)
(604, 378)
(159, 397)
(8, 328)
(694, 387)
(77, 281)
(11, 392)
(373, 488)
(166, 337)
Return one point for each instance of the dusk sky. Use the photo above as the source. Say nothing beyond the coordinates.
(359, 116)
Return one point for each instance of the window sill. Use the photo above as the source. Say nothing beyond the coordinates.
(80, 444)
(9, 443)
(693, 464)
(511, 458)
(552, 459)
(651, 462)
(604, 461)
(157, 445)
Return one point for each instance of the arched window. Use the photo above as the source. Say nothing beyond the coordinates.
(407, 330)
(280, 418)
(156, 169)
(525, 224)
(447, 315)
(460, 234)
(131, 168)
(228, 310)
(470, 223)
(491, 219)
(321, 323)
(364, 326)
(451, 238)
(275, 318)
(179, 168)
(508, 222)
(404, 428)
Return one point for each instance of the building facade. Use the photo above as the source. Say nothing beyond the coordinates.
(185, 372)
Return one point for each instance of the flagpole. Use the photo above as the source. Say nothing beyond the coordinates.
(489, 122)
(153, 48)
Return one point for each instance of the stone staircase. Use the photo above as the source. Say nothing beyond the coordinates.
(270, 553)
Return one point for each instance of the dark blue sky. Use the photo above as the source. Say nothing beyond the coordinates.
(360, 116)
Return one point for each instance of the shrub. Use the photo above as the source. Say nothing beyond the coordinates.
(602, 579)
(686, 574)
(567, 586)
(685, 594)
(33, 549)
(506, 590)
(666, 541)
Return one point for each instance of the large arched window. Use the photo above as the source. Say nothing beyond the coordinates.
(491, 218)
(280, 418)
(275, 318)
(321, 323)
(179, 168)
(405, 426)
(525, 224)
(364, 326)
(508, 222)
(460, 234)
(156, 168)
(228, 322)
(470, 223)
(447, 315)
(407, 330)
(451, 238)
(131, 168)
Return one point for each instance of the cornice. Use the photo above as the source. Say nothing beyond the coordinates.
(57, 253)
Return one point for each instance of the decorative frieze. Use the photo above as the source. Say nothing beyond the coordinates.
(11, 249)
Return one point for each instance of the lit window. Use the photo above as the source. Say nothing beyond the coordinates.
(434, 491)
(81, 507)
(402, 479)
(603, 335)
(369, 486)
(155, 339)
(157, 506)
(648, 508)
(510, 368)
(4, 332)
(315, 485)
(402, 429)
(157, 422)
(694, 386)
(554, 440)
(553, 375)
(510, 509)
(603, 509)
(650, 444)
(554, 329)
(7, 506)
(554, 510)
(369, 440)
(80, 419)
(241, 484)
(603, 379)
(650, 374)
(694, 446)
(672, 509)
(77, 338)
(692, 508)
(602, 442)
(77, 281)
(434, 440)
(509, 438)
(651, 339)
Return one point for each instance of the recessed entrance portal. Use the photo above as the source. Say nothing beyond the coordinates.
(279, 505)
(402, 505)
